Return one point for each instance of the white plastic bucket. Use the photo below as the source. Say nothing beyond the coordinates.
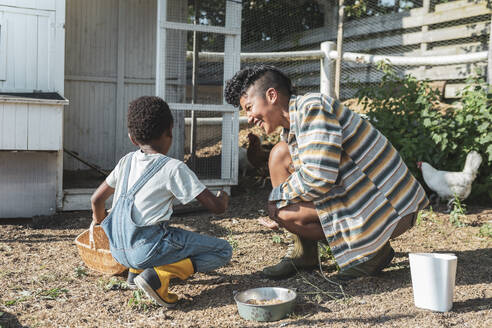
(433, 280)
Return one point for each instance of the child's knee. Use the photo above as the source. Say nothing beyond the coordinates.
(227, 252)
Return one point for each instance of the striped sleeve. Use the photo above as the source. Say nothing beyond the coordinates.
(319, 140)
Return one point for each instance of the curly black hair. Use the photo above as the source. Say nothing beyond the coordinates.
(148, 118)
(267, 77)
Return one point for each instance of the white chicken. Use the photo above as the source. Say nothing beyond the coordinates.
(446, 184)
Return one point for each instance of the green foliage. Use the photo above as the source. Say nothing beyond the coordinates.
(277, 239)
(471, 128)
(262, 20)
(365, 8)
(232, 241)
(407, 112)
(426, 215)
(80, 272)
(53, 293)
(138, 302)
(325, 253)
(15, 301)
(485, 231)
(457, 213)
(113, 283)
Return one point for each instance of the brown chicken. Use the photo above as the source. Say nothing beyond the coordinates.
(258, 157)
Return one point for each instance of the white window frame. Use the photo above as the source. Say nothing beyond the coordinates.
(3, 47)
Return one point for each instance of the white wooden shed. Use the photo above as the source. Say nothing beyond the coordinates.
(32, 42)
(100, 56)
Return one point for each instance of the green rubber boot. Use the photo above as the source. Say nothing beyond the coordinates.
(301, 254)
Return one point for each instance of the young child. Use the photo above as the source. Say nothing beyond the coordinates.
(144, 184)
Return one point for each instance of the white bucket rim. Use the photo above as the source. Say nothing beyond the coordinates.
(440, 256)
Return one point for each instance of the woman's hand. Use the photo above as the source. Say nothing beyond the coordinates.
(264, 221)
(271, 222)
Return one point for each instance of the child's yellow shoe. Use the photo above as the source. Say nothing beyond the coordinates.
(132, 274)
(155, 281)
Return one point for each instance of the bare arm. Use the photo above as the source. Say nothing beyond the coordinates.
(216, 204)
(98, 199)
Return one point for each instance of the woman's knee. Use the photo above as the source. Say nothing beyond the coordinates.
(300, 214)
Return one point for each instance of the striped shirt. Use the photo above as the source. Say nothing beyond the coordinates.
(358, 182)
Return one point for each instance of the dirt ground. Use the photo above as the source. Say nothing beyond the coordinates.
(44, 283)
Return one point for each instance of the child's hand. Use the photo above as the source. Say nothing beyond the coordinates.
(224, 198)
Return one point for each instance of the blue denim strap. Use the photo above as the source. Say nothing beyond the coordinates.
(124, 185)
(148, 173)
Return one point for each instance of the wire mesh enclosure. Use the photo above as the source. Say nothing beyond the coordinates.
(415, 28)
(205, 130)
(207, 158)
(376, 27)
(271, 26)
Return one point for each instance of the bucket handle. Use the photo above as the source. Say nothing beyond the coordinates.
(91, 235)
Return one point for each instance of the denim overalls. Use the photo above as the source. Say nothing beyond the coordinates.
(142, 247)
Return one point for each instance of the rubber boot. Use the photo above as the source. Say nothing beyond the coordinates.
(155, 281)
(132, 274)
(372, 267)
(301, 254)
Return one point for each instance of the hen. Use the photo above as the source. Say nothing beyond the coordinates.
(244, 164)
(258, 156)
(448, 184)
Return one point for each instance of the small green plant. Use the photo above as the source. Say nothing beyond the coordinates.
(232, 241)
(80, 272)
(277, 239)
(15, 301)
(426, 215)
(138, 302)
(113, 284)
(52, 294)
(458, 212)
(325, 253)
(485, 231)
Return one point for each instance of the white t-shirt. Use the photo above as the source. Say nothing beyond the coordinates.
(153, 202)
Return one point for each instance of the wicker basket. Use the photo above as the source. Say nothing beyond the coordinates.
(93, 246)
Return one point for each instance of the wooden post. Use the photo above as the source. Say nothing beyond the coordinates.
(120, 80)
(230, 121)
(425, 28)
(194, 87)
(160, 70)
(59, 82)
(489, 63)
(327, 69)
(338, 67)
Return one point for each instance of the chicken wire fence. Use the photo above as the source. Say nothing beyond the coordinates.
(375, 27)
(415, 28)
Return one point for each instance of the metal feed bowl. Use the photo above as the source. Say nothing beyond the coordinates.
(265, 312)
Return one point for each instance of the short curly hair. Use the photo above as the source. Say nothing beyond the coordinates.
(148, 118)
(267, 77)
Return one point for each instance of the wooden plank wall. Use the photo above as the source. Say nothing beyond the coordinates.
(456, 27)
(109, 61)
(30, 185)
(27, 47)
